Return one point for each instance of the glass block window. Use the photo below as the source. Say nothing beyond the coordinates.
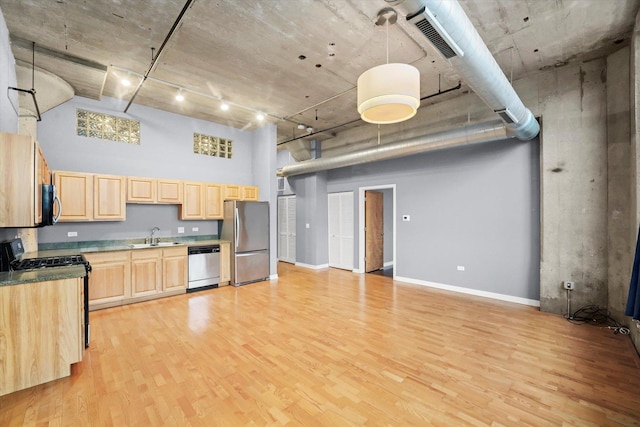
(104, 126)
(212, 146)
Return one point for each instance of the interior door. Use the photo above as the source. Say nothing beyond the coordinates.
(374, 230)
(341, 230)
(287, 228)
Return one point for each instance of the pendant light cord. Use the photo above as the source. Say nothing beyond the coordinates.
(387, 42)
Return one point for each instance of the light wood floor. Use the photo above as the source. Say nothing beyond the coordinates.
(335, 348)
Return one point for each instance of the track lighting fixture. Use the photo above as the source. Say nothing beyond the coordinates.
(301, 126)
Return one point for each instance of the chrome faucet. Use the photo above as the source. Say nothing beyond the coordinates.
(154, 239)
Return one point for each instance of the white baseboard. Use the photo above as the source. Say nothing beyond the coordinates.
(476, 292)
(273, 276)
(313, 267)
(388, 264)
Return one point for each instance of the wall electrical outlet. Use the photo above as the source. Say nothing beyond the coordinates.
(568, 285)
(460, 268)
(180, 230)
(72, 234)
(195, 229)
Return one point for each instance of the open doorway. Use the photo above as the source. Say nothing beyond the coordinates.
(377, 241)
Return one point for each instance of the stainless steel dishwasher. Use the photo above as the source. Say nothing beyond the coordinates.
(204, 267)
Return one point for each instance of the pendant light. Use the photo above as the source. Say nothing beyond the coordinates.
(388, 93)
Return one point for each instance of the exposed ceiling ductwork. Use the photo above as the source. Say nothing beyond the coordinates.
(448, 28)
(473, 134)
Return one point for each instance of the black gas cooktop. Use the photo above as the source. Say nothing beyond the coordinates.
(47, 262)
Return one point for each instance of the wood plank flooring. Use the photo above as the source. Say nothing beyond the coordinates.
(333, 348)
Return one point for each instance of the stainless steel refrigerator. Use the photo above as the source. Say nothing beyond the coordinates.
(246, 226)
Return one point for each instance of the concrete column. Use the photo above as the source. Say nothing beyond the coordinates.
(619, 219)
(634, 131)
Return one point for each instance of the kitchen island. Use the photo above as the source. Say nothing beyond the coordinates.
(41, 325)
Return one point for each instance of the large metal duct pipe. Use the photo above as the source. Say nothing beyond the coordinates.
(445, 24)
(473, 134)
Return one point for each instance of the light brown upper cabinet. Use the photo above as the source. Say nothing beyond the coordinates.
(232, 192)
(141, 190)
(201, 200)
(249, 192)
(240, 192)
(154, 190)
(109, 198)
(23, 169)
(192, 206)
(213, 201)
(169, 191)
(75, 190)
(91, 197)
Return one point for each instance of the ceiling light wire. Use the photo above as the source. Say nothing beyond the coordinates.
(154, 61)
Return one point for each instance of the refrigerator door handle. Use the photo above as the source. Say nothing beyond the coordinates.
(237, 218)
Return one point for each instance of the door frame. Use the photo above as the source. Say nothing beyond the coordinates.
(361, 237)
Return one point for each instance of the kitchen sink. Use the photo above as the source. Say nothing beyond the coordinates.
(148, 245)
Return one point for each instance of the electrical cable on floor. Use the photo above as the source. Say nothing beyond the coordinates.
(594, 315)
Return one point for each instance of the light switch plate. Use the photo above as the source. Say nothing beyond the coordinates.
(180, 230)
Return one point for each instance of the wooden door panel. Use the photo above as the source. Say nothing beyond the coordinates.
(374, 231)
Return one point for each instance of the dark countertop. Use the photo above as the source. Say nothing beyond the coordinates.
(41, 275)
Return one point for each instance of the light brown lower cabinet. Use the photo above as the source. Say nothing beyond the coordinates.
(225, 263)
(146, 272)
(42, 330)
(175, 269)
(110, 278)
(124, 277)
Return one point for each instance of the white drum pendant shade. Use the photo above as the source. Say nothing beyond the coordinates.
(389, 93)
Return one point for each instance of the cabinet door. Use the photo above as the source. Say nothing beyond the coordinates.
(110, 279)
(75, 190)
(146, 272)
(192, 204)
(169, 191)
(141, 190)
(17, 196)
(109, 202)
(249, 192)
(225, 263)
(174, 269)
(213, 197)
(232, 192)
(42, 332)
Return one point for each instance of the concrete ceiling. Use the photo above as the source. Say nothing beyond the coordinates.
(249, 52)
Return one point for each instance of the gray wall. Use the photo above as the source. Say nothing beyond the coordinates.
(312, 244)
(8, 116)
(476, 207)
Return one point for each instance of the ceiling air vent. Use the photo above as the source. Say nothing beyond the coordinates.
(435, 33)
(438, 42)
(506, 116)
